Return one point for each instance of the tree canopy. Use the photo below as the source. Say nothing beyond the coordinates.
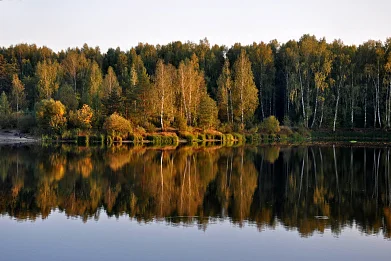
(309, 82)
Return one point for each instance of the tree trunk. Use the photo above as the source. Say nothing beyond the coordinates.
(232, 109)
(241, 94)
(162, 99)
(260, 99)
(336, 107)
(302, 97)
(389, 105)
(365, 106)
(378, 92)
(162, 112)
(183, 94)
(316, 107)
(352, 113)
(321, 116)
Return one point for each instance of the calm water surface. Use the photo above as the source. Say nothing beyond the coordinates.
(246, 203)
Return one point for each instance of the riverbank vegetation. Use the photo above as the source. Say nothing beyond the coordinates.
(197, 92)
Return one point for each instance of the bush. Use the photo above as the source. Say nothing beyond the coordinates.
(163, 139)
(271, 125)
(287, 121)
(188, 136)
(149, 127)
(304, 132)
(180, 123)
(136, 138)
(285, 131)
(117, 125)
(225, 128)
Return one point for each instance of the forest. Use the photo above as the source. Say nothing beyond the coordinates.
(309, 83)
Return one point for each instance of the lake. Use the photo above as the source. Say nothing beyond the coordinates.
(65, 202)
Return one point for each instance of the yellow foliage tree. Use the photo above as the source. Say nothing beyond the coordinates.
(82, 118)
(51, 116)
(117, 125)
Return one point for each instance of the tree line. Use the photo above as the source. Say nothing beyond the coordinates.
(309, 82)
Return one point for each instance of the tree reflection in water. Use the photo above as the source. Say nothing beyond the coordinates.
(308, 189)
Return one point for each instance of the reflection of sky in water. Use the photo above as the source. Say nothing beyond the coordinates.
(62, 238)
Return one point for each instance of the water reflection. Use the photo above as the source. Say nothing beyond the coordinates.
(308, 189)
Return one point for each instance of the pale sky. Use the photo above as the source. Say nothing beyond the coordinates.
(111, 23)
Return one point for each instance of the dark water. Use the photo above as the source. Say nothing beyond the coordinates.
(246, 203)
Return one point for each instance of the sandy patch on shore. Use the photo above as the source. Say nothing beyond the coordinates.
(13, 137)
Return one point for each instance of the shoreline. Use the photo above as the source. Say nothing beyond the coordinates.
(14, 137)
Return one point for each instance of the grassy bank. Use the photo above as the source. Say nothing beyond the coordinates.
(174, 137)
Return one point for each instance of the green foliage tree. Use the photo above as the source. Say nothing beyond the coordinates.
(270, 125)
(208, 112)
(5, 111)
(17, 93)
(68, 97)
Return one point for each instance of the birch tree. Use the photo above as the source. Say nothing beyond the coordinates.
(224, 94)
(245, 93)
(164, 91)
(18, 95)
(48, 75)
(341, 62)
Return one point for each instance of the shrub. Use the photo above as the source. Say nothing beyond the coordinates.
(225, 128)
(285, 131)
(136, 138)
(117, 125)
(149, 127)
(287, 121)
(180, 123)
(271, 125)
(188, 136)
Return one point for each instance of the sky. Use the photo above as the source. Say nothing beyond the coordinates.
(59, 24)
